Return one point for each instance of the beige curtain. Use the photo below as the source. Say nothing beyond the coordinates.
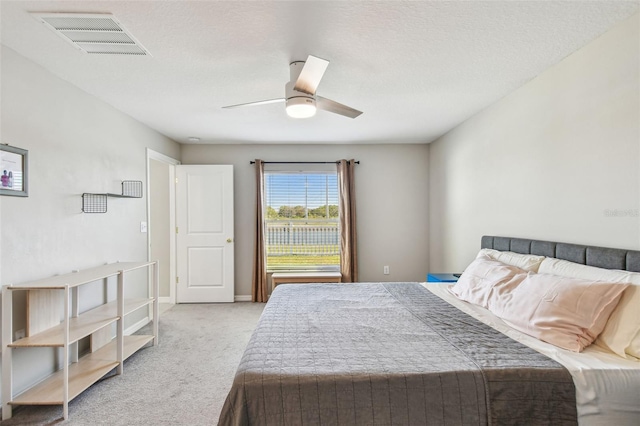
(348, 234)
(259, 285)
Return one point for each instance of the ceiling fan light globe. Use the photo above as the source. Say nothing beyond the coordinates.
(301, 111)
(301, 107)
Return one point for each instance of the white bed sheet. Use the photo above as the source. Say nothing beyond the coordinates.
(607, 386)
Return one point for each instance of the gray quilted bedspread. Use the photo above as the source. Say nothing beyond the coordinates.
(388, 354)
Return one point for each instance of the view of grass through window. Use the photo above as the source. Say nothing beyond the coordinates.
(302, 223)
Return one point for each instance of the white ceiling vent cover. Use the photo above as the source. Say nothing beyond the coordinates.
(92, 33)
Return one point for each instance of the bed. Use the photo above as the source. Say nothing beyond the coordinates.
(412, 353)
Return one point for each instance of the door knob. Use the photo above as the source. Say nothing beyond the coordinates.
(229, 240)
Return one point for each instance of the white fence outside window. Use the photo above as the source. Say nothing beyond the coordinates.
(312, 237)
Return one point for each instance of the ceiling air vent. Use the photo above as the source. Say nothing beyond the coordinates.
(93, 33)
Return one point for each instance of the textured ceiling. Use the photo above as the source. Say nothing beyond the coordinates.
(416, 69)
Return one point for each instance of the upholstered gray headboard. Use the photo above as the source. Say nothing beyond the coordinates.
(601, 257)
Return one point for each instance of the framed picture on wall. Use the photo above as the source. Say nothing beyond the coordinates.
(14, 171)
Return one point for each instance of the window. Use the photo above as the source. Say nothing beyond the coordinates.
(302, 226)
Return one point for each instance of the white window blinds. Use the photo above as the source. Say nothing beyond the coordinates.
(301, 220)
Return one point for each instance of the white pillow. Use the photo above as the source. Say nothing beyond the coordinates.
(528, 262)
(621, 335)
(487, 281)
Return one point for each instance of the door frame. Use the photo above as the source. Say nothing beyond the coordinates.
(172, 162)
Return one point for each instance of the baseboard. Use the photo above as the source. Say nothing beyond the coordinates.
(137, 326)
(236, 298)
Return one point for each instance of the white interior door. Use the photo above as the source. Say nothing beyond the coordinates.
(204, 196)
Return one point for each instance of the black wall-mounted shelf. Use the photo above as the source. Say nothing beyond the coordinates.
(97, 203)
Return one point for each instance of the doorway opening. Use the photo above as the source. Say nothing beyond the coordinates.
(161, 219)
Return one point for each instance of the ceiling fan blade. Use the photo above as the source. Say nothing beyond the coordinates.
(270, 101)
(335, 107)
(311, 74)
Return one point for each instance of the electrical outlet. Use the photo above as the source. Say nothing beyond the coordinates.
(143, 227)
(386, 270)
(20, 334)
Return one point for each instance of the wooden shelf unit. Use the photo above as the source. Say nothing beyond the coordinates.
(68, 382)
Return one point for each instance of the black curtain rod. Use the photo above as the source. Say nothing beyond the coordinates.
(300, 162)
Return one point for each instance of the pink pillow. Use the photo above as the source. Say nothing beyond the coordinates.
(566, 312)
(486, 281)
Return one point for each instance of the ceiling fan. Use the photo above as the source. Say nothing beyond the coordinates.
(300, 92)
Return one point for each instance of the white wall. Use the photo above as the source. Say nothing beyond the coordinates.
(550, 161)
(76, 144)
(391, 202)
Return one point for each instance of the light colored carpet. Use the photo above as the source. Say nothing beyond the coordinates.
(183, 381)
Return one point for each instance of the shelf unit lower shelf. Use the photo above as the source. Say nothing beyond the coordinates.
(82, 374)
